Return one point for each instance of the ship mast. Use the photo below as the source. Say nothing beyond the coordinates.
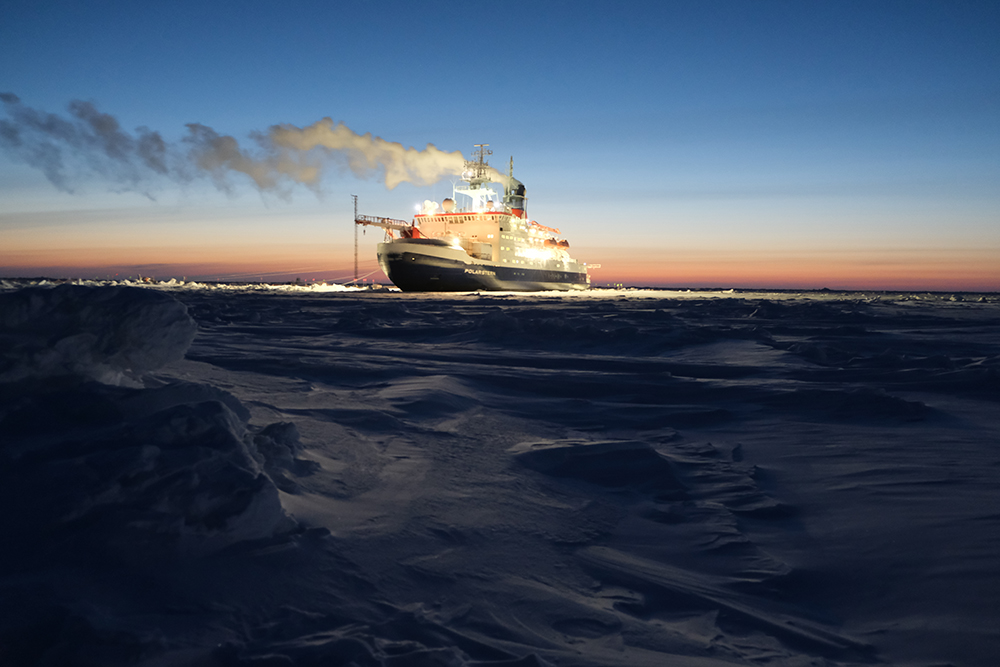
(477, 172)
(477, 168)
(509, 185)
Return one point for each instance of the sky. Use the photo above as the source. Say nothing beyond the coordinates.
(796, 145)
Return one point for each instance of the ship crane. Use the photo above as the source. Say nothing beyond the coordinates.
(405, 229)
(384, 223)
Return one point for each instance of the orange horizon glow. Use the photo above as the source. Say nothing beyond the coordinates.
(978, 274)
(907, 270)
(286, 255)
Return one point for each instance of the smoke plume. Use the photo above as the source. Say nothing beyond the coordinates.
(88, 142)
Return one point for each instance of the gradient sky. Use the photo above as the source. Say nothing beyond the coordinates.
(730, 143)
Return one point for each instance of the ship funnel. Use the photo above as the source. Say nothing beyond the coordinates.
(510, 184)
(514, 196)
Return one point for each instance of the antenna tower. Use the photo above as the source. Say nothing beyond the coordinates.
(355, 239)
(475, 169)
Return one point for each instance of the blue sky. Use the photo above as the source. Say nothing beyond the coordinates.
(703, 141)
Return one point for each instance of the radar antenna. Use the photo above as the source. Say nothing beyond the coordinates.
(477, 168)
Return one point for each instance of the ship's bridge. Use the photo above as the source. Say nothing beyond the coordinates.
(476, 232)
(497, 236)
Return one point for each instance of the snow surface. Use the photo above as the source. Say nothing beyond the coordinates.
(336, 476)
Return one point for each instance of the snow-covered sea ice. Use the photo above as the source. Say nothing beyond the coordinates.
(198, 474)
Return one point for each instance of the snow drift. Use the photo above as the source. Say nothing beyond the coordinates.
(110, 334)
(165, 466)
(109, 474)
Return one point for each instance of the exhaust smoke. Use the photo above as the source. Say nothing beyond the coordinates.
(88, 142)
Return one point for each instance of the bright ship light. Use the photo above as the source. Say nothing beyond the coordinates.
(537, 253)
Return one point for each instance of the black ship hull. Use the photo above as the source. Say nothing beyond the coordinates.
(430, 265)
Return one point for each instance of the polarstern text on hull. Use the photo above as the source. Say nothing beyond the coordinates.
(477, 240)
